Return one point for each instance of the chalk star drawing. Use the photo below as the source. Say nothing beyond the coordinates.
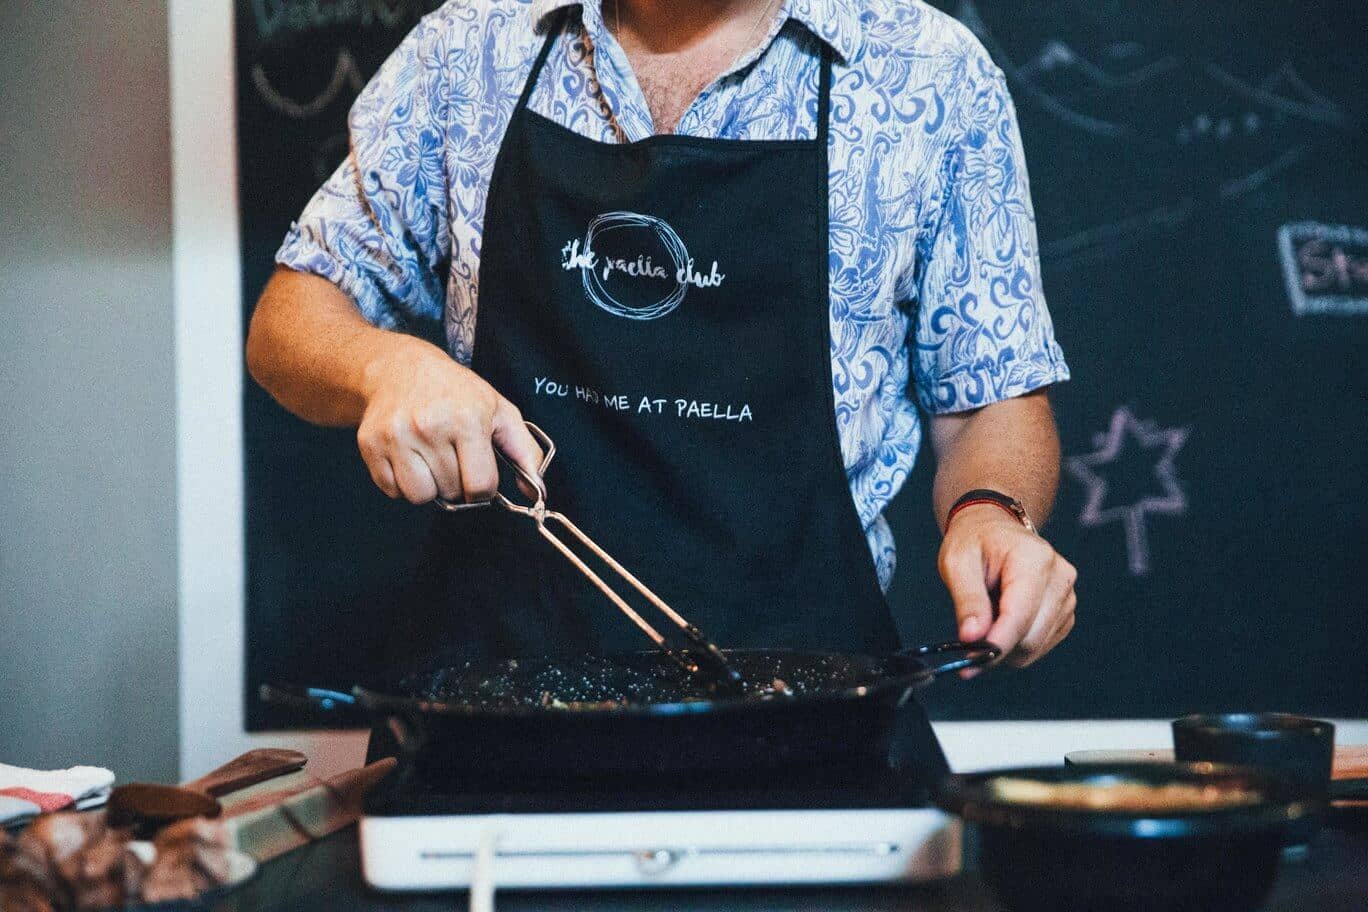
(1109, 446)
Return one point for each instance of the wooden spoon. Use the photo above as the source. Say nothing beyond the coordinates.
(152, 805)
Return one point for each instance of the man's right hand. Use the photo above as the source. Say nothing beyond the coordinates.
(430, 426)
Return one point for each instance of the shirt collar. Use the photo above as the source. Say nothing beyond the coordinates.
(837, 22)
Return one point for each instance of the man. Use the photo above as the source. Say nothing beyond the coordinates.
(721, 252)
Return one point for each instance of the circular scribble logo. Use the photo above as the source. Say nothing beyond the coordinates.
(597, 269)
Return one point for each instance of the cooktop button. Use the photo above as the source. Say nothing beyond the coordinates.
(656, 861)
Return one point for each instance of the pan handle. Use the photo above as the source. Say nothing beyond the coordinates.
(316, 699)
(346, 708)
(334, 707)
(971, 655)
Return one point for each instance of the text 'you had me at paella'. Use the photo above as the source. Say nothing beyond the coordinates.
(644, 404)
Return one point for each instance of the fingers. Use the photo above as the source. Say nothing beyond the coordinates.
(514, 440)
(406, 460)
(374, 448)
(479, 470)
(382, 473)
(429, 436)
(1066, 626)
(962, 568)
(1024, 582)
(414, 478)
(445, 465)
(1061, 630)
(1052, 617)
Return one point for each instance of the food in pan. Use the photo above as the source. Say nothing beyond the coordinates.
(593, 682)
(1123, 795)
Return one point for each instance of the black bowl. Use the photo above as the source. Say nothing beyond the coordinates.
(1039, 857)
(1291, 746)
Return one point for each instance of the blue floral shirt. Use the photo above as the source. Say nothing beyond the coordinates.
(935, 281)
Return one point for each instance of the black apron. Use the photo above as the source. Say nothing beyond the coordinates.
(661, 309)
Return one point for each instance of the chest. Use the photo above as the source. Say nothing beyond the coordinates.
(671, 82)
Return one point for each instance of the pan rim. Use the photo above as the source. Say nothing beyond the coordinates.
(901, 684)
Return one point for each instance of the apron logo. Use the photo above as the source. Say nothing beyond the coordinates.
(596, 270)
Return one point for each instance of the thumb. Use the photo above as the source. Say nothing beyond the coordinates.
(961, 566)
(514, 440)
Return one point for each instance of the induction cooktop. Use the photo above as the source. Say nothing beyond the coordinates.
(869, 823)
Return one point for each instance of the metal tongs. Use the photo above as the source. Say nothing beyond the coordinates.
(703, 660)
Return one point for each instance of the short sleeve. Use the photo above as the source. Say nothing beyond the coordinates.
(982, 333)
(377, 228)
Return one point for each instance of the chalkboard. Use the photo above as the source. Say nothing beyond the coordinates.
(324, 547)
(1200, 177)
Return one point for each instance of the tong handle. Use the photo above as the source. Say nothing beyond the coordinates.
(703, 653)
(535, 483)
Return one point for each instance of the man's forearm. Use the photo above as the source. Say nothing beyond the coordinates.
(1010, 446)
(311, 349)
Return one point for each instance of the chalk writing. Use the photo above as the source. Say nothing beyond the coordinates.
(1325, 268)
(346, 75)
(276, 17)
(1154, 111)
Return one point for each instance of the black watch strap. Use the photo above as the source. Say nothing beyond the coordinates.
(989, 496)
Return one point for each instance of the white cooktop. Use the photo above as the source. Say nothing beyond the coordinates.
(659, 848)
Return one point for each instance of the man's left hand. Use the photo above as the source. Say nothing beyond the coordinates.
(987, 552)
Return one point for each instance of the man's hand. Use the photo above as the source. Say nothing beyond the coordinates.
(430, 427)
(426, 425)
(987, 552)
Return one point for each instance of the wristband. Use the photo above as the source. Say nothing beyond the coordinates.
(997, 499)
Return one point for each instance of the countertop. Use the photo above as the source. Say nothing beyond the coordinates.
(326, 875)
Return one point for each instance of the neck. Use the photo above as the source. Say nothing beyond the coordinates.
(669, 26)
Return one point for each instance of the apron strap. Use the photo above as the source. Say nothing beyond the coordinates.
(824, 97)
(552, 33)
(823, 175)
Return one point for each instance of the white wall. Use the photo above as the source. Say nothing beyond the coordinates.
(209, 367)
(87, 436)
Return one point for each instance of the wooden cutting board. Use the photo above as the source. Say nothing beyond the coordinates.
(270, 819)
